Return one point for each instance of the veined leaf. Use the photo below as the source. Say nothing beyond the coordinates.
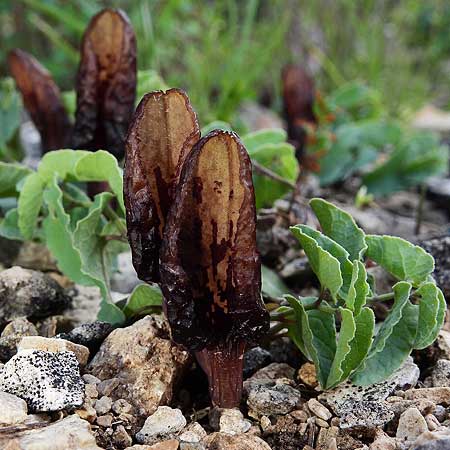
(272, 284)
(295, 329)
(326, 267)
(101, 166)
(359, 288)
(402, 259)
(346, 336)
(61, 162)
(29, 204)
(333, 249)
(11, 174)
(340, 226)
(431, 315)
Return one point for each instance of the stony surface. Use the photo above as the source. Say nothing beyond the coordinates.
(163, 424)
(11, 336)
(91, 335)
(124, 280)
(103, 405)
(440, 376)
(318, 409)
(436, 440)
(70, 433)
(54, 345)
(46, 381)
(193, 433)
(411, 425)
(12, 409)
(440, 250)
(271, 373)
(28, 293)
(85, 304)
(223, 441)
(365, 414)
(143, 360)
(229, 421)
(255, 359)
(268, 399)
(438, 395)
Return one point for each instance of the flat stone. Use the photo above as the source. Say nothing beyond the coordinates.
(229, 421)
(54, 345)
(319, 410)
(121, 406)
(29, 293)
(12, 409)
(411, 425)
(145, 362)
(383, 442)
(103, 405)
(87, 412)
(194, 432)
(163, 424)
(271, 399)
(121, 438)
(273, 372)
(46, 381)
(223, 441)
(105, 421)
(438, 395)
(11, 336)
(365, 414)
(90, 379)
(337, 398)
(70, 433)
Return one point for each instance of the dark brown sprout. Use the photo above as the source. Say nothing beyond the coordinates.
(42, 100)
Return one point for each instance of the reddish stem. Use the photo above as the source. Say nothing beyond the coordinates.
(223, 366)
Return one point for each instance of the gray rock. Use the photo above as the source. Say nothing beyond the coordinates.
(143, 360)
(12, 409)
(271, 373)
(103, 405)
(193, 433)
(46, 381)
(163, 424)
(70, 433)
(273, 398)
(405, 377)
(364, 414)
(411, 425)
(28, 293)
(439, 248)
(435, 440)
(11, 336)
(318, 409)
(124, 280)
(440, 376)
(223, 441)
(255, 359)
(91, 335)
(229, 421)
(85, 304)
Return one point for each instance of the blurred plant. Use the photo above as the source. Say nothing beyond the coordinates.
(346, 292)
(10, 109)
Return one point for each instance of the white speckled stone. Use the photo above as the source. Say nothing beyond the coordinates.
(46, 381)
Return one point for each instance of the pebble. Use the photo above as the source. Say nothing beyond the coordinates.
(322, 423)
(319, 410)
(432, 422)
(265, 423)
(224, 441)
(440, 376)
(271, 399)
(54, 345)
(438, 395)
(90, 391)
(433, 440)
(103, 405)
(106, 387)
(300, 415)
(121, 406)
(90, 335)
(46, 381)
(272, 372)
(411, 425)
(121, 438)
(229, 421)
(307, 375)
(255, 359)
(443, 344)
(90, 379)
(193, 433)
(383, 442)
(12, 334)
(105, 421)
(162, 424)
(87, 413)
(12, 409)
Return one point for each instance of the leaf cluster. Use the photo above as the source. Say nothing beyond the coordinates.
(337, 329)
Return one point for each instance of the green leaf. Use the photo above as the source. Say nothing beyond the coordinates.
(111, 313)
(402, 259)
(333, 249)
(9, 227)
(272, 285)
(59, 237)
(279, 158)
(61, 162)
(346, 335)
(359, 288)
(270, 136)
(319, 335)
(143, 298)
(326, 267)
(295, 330)
(431, 315)
(29, 205)
(361, 343)
(394, 341)
(112, 228)
(10, 175)
(10, 108)
(340, 226)
(216, 125)
(101, 166)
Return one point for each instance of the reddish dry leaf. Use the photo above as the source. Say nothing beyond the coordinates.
(106, 83)
(210, 267)
(41, 98)
(298, 97)
(163, 131)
